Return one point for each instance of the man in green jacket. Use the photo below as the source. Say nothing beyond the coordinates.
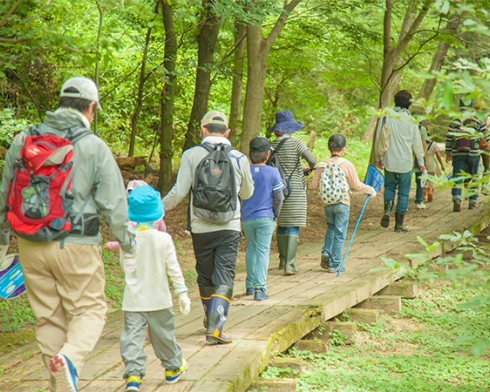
(65, 279)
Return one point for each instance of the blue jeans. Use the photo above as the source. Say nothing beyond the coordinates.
(419, 191)
(288, 230)
(469, 165)
(258, 233)
(337, 222)
(401, 182)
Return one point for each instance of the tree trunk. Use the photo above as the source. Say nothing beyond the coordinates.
(257, 52)
(258, 49)
(206, 39)
(438, 60)
(167, 100)
(392, 61)
(237, 85)
(139, 95)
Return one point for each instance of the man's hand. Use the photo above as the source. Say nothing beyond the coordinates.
(379, 164)
(422, 169)
(449, 158)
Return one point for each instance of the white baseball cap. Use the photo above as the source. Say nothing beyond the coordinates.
(86, 89)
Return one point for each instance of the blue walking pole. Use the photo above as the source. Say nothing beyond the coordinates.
(375, 179)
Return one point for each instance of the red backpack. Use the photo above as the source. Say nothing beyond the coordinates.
(39, 197)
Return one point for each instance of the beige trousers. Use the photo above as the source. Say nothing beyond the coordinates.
(65, 288)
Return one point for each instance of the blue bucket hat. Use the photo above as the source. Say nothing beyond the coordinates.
(286, 123)
(144, 205)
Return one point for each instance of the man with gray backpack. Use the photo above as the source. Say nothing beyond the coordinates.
(216, 174)
(332, 179)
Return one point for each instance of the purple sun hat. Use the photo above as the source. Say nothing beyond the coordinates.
(286, 123)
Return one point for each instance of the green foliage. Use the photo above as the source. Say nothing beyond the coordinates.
(15, 314)
(275, 372)
(336, 338)
(114, 287)
(419, 352)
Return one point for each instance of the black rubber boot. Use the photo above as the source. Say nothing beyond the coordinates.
(292, 245)
(282, 247)
(206, 293)
(217, 314)
(399, 216)
(385, 220)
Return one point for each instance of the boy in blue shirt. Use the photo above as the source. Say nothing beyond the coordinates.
(259, 215)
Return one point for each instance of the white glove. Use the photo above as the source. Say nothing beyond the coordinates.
(374, 193)
(184, 303)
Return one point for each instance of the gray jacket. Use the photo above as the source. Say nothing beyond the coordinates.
(190, 160)
(96, 180)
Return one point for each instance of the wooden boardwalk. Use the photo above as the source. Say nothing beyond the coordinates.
(297, 305)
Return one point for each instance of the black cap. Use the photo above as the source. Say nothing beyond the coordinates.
(260, 144)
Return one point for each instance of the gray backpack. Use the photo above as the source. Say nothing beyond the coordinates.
(214, 195)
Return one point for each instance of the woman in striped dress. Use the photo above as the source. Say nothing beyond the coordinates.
(293, 212)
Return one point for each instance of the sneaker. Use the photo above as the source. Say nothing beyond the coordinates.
(133, 383)
(325, 260)
(249, 291)
(260, 294)
(172, 376)
(420, 206)
(332, 270)
(64, 373)
(457, 205)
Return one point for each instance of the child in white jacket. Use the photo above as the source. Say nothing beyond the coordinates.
(148, 300)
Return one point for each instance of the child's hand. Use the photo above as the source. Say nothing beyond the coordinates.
(106, 246)
(184, 303)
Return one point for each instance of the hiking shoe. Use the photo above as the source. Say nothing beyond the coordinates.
(333, 270)
(420, 206)
(64, 373)
(457, 205)
(325, 260)
(172, 376)
(249, 291)
(260, 294)
(473, 205)
(133, 383)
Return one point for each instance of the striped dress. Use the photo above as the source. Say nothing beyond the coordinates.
(293, 211)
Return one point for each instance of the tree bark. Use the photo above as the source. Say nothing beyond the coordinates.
(167, 100)
(392, 60)
(206, 39)
(139, 95)
(237, 85)
(438, 59)
(258, 49)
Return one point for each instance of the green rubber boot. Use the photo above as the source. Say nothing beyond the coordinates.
(282, 243)
(292, 246)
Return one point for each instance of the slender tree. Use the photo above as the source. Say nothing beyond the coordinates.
(237, 84)
(167, 99)
(439, 57)
(258, 48)
(206, 39)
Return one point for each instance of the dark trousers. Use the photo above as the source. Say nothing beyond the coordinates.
(468, 164)
(216, 253)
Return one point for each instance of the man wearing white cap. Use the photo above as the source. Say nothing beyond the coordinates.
(65, 278)
(215, 243)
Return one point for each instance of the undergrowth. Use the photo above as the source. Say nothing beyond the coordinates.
(426, 347)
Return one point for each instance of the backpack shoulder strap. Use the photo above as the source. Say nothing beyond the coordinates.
(77, 133)
(281, 143)
(208, 147)
(339, 161)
